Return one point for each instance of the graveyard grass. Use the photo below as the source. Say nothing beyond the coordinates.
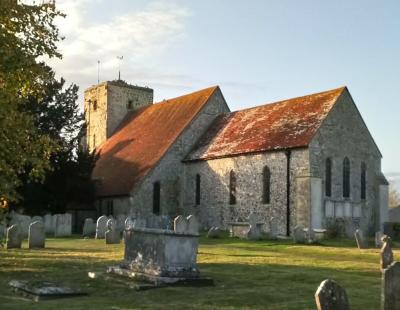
(247, 274)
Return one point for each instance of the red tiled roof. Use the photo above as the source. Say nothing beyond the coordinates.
(142, 139)
(286, 124)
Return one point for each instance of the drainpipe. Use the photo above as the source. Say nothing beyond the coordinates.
(288, 154)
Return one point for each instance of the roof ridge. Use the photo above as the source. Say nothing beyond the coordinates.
(211, 88)
(294, 98)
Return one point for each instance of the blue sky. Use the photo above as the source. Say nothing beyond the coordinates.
(257, 51)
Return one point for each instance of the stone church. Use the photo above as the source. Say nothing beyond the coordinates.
(307, 161)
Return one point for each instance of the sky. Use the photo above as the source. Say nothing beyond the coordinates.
(257, 51)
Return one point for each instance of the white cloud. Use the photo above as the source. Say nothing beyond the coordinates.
(140, 36)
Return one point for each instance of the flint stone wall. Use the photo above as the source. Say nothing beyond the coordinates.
(159, 252)
(342, 134)
(214, 208)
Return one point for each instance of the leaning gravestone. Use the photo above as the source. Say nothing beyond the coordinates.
(112, 234)
(299, 236)
(89, 228)
(386, 253)
(331, 296)
(63, 225)
(361, 242)
(36, 237)
(101, 227)
(390, 293)
(14, 237)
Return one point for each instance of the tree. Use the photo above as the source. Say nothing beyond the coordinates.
(394, 197)
(27, 33)
(57, 115)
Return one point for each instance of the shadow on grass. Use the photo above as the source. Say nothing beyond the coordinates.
(258, 286)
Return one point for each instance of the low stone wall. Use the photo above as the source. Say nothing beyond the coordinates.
(162, 253)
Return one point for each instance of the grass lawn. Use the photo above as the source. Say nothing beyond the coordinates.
(248, 275)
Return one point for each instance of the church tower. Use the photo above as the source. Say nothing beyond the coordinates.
(106, 104)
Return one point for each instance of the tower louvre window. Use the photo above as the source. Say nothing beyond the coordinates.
(232, 188)
(130, 104)
(266, 185)
(328, 177)
(346, 178)
(94, 105)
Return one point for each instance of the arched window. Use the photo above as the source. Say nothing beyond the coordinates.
(363, 180)
(94, 105)
(328, 177)
(232, 188)
(156, 197)
(129, 106)
(346, 178)
(266, 185)
(198, 189)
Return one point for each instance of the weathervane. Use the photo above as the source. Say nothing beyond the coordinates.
(119, 66)
(98, 72)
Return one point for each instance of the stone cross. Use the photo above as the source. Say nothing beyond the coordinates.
(386, 252)
(331, 296)
(390, 293)
(36, 235)
(89, 228)
(112, 234)
(101, 226)
(14, 237)
(360, 239)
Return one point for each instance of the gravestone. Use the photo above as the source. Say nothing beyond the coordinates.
(299, 235)
(193, 225)
(23, 222)
(14, 237)
(254, 229)
(89, 228)
(36, 238)
(386, 253)
(101, 227)
(331, 296)
(112, 234)
(361, 242)
(378, 239)
(63, 226)
(214, 232)
(129, 222)
(390, 292)
(180, 224)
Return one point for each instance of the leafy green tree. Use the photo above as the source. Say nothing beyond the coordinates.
(27, 34)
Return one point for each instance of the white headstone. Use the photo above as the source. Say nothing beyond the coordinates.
(36, 238)
(101, 227)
